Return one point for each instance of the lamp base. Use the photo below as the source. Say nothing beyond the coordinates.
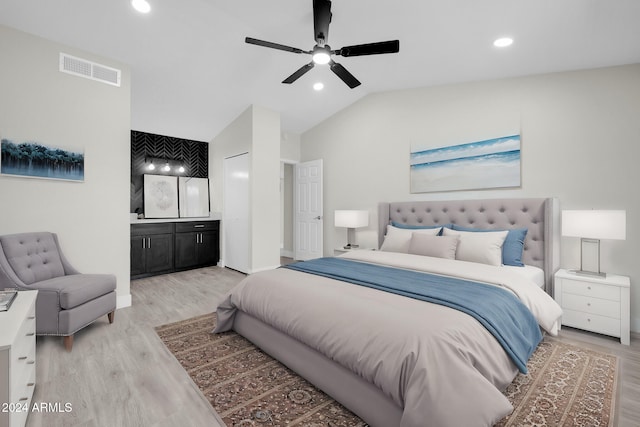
(588, 273)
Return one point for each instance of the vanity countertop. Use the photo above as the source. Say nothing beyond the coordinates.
(213, 216)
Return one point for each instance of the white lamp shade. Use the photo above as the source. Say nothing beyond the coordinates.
(351, 219)
(595, 224)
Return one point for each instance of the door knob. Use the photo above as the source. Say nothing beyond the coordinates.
(318, 217)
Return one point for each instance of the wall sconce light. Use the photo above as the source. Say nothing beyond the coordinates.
(168, 165)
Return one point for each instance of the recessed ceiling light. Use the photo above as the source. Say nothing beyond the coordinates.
(503, 42)
(318, 86)
(141, 6)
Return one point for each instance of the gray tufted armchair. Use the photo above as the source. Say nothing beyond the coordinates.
(67, 300)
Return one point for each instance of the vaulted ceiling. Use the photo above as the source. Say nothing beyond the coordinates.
(192, 73)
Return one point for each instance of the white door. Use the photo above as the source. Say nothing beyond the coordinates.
(235, 217)
(308, 210)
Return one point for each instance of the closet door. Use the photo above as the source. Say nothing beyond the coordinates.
(235, 221)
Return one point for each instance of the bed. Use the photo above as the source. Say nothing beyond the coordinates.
(398, 361)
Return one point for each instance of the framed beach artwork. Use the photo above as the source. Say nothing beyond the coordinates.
(493, 163)
(32, 159)
(160, 196)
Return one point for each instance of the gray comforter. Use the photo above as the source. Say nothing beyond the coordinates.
(441, 365)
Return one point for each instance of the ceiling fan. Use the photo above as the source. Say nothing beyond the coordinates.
(321, 52)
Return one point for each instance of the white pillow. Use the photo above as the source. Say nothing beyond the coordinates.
(398, 239)
(485, 247)
(434, 246)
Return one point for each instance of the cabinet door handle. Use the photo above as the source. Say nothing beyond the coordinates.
(22, 357)
(30, 384)
(148, 242)
(199, 226)
(22, 399)
(30, 334)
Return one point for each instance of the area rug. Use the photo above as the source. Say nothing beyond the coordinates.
(566, 385)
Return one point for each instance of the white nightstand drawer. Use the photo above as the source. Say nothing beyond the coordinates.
(23, 371)
(591, 322)
(18, 358)
(602, 307)
(590, 289)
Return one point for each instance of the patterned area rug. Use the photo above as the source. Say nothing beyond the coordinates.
(566, 385)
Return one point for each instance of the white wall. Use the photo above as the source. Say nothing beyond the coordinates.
(290, 147)
(39, 103)
(265, 189)
(255, 131)
(580, 143)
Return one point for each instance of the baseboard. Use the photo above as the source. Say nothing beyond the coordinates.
(258, 270)
(286, 253)
(635, 324)
(123, 301)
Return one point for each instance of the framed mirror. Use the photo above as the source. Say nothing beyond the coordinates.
(193, 197)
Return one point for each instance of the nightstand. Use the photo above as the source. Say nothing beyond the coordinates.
(18, 359)
(339, 251)
(596, 304)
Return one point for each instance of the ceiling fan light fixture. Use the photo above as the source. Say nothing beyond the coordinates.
(321, 52)
(321, 56)
(318, 86)
(141, 6)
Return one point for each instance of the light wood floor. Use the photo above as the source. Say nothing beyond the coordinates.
(122, 375)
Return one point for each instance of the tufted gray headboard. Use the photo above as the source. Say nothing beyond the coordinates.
(540, 216)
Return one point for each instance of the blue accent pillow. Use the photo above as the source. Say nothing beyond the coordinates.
(512, 247)
(417, 227)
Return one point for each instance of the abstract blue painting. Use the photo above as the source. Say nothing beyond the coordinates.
(493, 163)
(37, 160)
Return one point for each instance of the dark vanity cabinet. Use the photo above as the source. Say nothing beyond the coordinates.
(158, 248)
(197, 244)
(151, 249)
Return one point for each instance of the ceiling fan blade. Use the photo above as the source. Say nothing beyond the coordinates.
(344, 75)
(391, 46)
(273, 45)
(299, 73)
(321, 20)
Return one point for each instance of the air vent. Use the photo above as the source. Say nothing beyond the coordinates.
(90, 70)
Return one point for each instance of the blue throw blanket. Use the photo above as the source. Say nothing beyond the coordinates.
(498, 310)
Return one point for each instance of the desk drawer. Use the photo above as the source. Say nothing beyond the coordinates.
(589, 289)
(185, 227)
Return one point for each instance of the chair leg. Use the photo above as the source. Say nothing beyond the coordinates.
(111, 316)
(68, 342)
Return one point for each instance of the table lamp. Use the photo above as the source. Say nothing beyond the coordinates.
(351, 219)
(592, 226)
